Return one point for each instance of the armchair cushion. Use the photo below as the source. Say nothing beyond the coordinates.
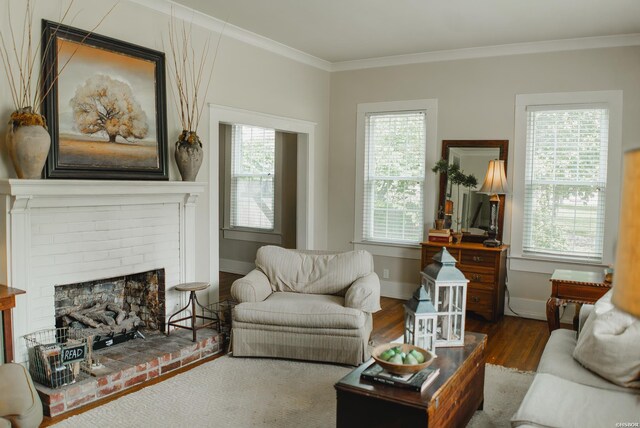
(364, 294)
(300, 310)
(312, 272)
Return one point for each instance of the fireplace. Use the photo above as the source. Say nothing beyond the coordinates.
(112, 310)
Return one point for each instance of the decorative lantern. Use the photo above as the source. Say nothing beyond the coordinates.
(447, 287)
(420, 320)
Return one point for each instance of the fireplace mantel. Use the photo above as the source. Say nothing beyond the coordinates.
(70, 188)
(63, 231)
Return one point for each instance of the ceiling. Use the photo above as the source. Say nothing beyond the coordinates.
(347, 30)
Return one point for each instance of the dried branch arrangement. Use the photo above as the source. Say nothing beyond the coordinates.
(189, 71)
(21, 65)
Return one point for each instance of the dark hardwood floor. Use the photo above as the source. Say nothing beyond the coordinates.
(512, 342)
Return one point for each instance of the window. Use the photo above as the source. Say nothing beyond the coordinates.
(394, 176)
(395, 196)
(566, 179)
(252, 189)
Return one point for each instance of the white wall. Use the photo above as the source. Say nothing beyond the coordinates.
(245, 77)
(476, 99)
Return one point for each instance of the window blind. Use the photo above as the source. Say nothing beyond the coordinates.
(252, 177)
(565, 181)
(394, 176)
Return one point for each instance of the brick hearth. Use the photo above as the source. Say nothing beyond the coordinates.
(130, 364)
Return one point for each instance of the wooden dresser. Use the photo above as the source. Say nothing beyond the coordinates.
(484, 267)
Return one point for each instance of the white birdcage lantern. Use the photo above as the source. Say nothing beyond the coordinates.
(446, 286)
(420, 321)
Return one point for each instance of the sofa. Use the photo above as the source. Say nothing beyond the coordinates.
(566, 394)
(306, 305)
(20, 405)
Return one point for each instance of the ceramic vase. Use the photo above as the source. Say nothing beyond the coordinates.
(28, 147)
(188, 155)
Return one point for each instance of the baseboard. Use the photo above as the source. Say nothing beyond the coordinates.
(236, 266)
(535, 309)
(397, 290)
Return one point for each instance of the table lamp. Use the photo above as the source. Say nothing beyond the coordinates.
(626, 287)
(495, 183)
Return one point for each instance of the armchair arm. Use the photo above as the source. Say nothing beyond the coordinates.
(254, 287)
(364, 294)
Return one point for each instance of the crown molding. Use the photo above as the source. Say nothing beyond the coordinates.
(185, 13)
(216, 25)
(492, 51)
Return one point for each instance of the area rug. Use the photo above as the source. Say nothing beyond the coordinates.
(256, 392)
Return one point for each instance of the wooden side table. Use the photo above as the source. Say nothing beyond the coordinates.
(7, 302)
(570, 286)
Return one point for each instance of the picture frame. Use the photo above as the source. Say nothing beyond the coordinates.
(106, 111)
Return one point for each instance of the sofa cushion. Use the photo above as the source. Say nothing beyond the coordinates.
(557, 359)
(552, 401)
(300, 310)
(609, 344)
(312, 272)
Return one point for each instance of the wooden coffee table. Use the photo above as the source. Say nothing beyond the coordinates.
(449, 401)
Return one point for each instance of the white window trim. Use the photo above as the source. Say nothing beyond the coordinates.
(430, 106)
(527, 263)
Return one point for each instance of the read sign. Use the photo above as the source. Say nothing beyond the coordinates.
(73, 353)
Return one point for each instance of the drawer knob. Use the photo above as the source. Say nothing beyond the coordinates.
(475, 299)
(475, 277)
(477, 258)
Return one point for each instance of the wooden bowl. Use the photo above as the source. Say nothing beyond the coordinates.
(402, 368)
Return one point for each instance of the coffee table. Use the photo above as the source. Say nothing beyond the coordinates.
(449, 401)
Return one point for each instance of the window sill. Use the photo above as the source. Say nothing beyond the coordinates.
(387, 249)
(548, 264)
(253, 236)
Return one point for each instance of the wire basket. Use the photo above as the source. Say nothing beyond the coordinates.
(56, 356)
(223, 310)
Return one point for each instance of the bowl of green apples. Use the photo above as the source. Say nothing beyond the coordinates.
(402, 358)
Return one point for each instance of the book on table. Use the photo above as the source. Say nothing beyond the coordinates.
(444, 239)
(413, 381)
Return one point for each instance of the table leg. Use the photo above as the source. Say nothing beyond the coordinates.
(7, 329)
(553, 315)
(193, 314)
(576, 316)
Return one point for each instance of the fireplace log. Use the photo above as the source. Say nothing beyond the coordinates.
(85, 320)
(102, 317)
(121, 315)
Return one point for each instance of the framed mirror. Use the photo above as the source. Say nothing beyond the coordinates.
(468, 206)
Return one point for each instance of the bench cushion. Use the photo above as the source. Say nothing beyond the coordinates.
(300, 310)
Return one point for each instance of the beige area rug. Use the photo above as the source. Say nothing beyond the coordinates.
(256, 392)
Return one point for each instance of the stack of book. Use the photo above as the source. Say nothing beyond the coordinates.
(440, 235)
(413, 381)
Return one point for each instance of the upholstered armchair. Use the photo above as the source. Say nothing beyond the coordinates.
(20, 405)
(306, 305)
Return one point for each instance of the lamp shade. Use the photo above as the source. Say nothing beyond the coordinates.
(495, 182)
(626, 287)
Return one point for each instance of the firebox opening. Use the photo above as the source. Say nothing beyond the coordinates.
(112, 310)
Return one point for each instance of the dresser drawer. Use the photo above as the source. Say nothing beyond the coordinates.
(478, 259)
(484, 280)
(479, 300)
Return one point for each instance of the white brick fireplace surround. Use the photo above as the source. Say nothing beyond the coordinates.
(67, 231)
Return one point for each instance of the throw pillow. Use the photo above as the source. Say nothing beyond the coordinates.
(609, 344)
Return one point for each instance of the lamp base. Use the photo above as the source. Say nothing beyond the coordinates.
(491, 243)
